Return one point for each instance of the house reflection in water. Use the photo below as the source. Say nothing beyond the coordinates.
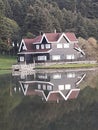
(53, 86)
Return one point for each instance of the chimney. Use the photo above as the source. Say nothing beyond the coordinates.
(41, 33)
(55, 31)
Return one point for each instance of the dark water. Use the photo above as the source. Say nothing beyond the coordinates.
(49, 100)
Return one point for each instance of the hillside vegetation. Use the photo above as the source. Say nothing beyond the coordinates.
(90, 47)
(28, 18)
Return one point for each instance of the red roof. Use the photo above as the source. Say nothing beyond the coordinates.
(71, 36)
(73, 94)
(37, 39)
(51, 37)
(28, 43)
(55, 97)
(33, 92)
(54, 37)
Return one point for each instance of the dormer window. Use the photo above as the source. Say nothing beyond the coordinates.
(47, 46)
(49, 87)
(24, 47)
(42, 46)
(39, 86)
(37, 47)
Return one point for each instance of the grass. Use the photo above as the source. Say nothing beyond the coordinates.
(66, 66)
(6, 63)
(5, 72)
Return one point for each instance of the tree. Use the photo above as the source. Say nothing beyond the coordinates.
(1, 8)
(69, 19)
(9, 32)
(81, 26)
(38, 19)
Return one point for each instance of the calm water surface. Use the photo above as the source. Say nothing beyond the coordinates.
(49, 100)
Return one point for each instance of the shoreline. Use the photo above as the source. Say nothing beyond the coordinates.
(56, 67)
(68, 66)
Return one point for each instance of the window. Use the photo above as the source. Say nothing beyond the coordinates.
(41, 58)
(21, 58)
(44, 87)
(42, 46)
(61, 87)
(59, 46)
(66, 45)
(15, 89)
(47, 46)
(26, 86)
(73, 56)
(39, 86)
(56, 57)
(69, 57)
(24, 47)
(57, 76)
(42, 76)
(70, 75)
(49, 87)
(67, 86)
(37, 46)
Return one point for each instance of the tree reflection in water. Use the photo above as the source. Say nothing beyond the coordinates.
(19, 112)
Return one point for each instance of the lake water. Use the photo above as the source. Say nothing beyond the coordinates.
(49, 100)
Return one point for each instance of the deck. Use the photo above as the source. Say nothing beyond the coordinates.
(23, 67)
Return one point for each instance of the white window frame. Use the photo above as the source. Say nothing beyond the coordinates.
(47, 46)
(24, 47)
(49, 87)
(57, 76)
(59, 45)
(39, 86)
(42, 46)
(22, 58)
(44, 87)
(70, 57)
(67, 86)
(15, 89)
(70, 75)
(41, 58)
(56, 57)
(66, 45)
(42, 76)
(37, 47)
(73, 56)
(61, 87)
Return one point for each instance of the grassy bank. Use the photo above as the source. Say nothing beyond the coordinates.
(67, 66)
(6, 63)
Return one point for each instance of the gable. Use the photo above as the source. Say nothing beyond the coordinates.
(52, 37)
(44, 41)
(24, 88)
(63, 40)
(22, 46)
(74, 94)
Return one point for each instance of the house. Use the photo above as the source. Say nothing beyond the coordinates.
(50, 47)
(52, 86)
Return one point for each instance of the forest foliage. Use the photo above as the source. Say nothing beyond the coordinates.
(28, 18)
